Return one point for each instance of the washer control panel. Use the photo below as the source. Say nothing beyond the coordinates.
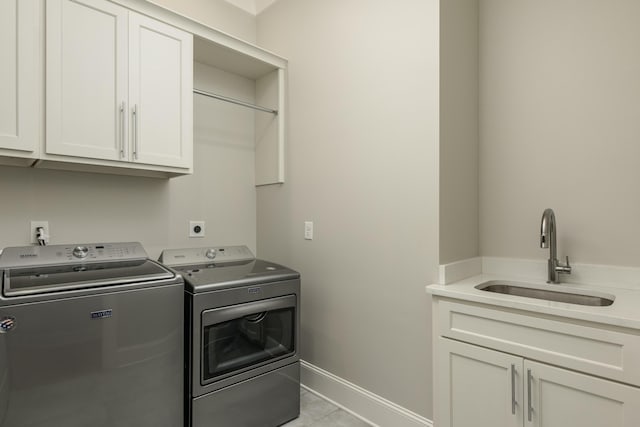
(174, 257)
(65, 254)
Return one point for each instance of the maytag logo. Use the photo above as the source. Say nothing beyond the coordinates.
(101, 314)
(7, 324)
(254, 291)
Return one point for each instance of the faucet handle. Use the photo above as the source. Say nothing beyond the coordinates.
(566, 269)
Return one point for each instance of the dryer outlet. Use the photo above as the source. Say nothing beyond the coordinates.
(196, 228)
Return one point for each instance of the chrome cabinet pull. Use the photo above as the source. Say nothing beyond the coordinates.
(122, 130)
(513, 389)
(529, 407)
(135, 132)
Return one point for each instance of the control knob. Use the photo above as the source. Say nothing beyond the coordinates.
(211, 253)
(80, 251)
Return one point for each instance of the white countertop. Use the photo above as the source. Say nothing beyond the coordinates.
(624, 312)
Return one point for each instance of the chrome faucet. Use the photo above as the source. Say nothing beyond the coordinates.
(548, 240)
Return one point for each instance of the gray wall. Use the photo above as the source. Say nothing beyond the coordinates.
(85, 207)
(459, 205)
(559, 127)
(362, 163)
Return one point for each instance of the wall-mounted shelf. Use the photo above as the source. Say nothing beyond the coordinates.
(268, 70)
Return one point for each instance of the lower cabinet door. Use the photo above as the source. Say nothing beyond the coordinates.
(562, 398)
(476, 387)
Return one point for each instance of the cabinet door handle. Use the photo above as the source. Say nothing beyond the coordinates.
(529, 407)
(122, 130)
(135, 132)
(513, 389)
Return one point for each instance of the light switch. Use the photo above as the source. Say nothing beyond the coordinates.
(308, 230)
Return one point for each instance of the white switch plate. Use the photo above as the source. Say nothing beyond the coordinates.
(308, 230)
(33, 233)
(196, 229)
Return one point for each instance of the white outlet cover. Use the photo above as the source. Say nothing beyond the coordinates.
(193, 228)
(32, 230)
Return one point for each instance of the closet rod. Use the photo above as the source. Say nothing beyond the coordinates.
(234, 101)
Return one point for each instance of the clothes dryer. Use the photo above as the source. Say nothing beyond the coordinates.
(242, 317)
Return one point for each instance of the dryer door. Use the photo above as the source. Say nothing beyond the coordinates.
(244, 336)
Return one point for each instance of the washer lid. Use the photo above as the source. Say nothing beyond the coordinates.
(55, 278)
(215, 276)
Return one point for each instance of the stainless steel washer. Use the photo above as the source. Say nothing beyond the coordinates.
(90, 335)
(242, 338)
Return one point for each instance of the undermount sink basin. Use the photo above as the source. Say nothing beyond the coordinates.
(562, 294)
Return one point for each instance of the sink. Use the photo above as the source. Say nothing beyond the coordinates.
(560, 294)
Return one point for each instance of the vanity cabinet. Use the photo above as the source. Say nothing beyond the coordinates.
(20, 81)
(476, 387)
(118, 88)
(491, 388)
(507, 368)
(561, 397)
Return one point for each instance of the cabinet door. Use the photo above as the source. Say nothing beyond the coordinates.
(562, 398)
(86, 78)
(477, 387)
(161, 93)
(20, 84)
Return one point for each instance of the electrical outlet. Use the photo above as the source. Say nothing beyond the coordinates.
(33, 233)
(196, 228)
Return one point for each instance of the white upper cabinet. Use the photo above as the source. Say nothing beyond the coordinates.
(119, 87)
(86, 78)
(160, 92)
(107, 86)
(20, 74)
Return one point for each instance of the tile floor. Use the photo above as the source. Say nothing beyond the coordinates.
(317, 412)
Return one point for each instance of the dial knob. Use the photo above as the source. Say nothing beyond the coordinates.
(80, 251)
(211, 253)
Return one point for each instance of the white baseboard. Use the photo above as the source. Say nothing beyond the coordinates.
(363, 404)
